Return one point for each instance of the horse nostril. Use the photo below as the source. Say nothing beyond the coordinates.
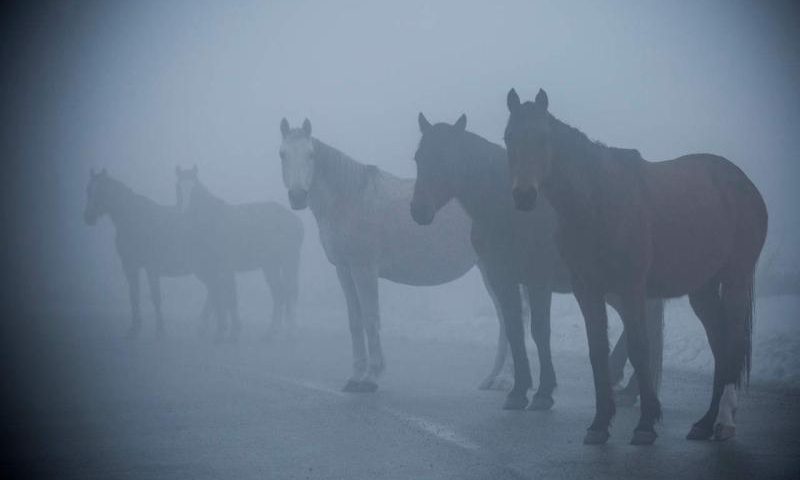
(524, 198)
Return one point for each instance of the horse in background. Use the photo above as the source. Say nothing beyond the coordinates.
(244, 237)
(693, 226)
(516, 249)
(367, 233)
(149, 237)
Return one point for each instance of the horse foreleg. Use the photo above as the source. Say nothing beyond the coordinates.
(356, 329)
(593, 308)
(540, 300)
(365, 279)
(232, 303)
(154, 282)
(132, 276)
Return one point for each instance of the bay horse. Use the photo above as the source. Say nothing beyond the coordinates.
(515, 248)
(367, 233)
(232, 238)
(153, 238)
(693, 226)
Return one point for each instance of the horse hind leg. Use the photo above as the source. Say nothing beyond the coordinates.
(707, 305)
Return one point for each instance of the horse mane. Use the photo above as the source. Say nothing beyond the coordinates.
(132, 196)
(577, 146)
(344, 174)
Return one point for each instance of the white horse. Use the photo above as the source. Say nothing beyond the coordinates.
(367, 233)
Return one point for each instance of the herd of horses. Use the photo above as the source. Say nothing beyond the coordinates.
(553, 211)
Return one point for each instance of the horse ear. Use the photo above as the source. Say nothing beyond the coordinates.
(424, 124)
(177, 169)
(194, 170)
(284, 127)
(512, 100)
(461, 123)
(541, 99)
(307, 127)
(103, 172)
(92, 172)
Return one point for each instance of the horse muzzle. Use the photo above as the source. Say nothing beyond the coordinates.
(298, 198)
(421, 215)
(524, 198)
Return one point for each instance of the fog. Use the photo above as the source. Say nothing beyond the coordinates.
(139, 88)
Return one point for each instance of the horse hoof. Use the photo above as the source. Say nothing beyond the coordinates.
(699, 433)
(724, 432)
(515, 402)
(541, 402)
(625, 399)
(351, 386)
(367, 386)
(596, 437)
(643, 437)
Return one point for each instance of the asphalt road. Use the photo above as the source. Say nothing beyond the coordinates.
(102, 407)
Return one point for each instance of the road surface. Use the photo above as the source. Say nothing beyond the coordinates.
(98, 406)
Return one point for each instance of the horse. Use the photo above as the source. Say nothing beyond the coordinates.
(367, 233)
(515, 248)
(244, 237)
(149, 237)
(694, 225)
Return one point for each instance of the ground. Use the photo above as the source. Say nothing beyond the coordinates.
(180, 407)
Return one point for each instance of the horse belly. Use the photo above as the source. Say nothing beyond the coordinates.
(426, 255)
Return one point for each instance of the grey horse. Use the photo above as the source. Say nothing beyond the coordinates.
(367, 233)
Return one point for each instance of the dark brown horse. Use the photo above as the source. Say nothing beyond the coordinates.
(693, 225)
(514, 248)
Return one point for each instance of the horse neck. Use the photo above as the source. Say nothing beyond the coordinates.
(126, 208)
(338, 180)
(482, 181)
(203, 200)
(577, 175)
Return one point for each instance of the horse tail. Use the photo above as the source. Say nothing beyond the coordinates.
(749, 311)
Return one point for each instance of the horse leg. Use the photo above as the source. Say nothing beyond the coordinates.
(655, 340)
(508, 296)
(132, 275)
(491, 381)
(707, 305)
(273, 277)
(634, 319)
(218, 304)
(593, 307)
(737, 303)
(540, 299)
(365, 279)
(232, 303)
(356, 329)
(627, 395)
(154, 282)
(205, 314)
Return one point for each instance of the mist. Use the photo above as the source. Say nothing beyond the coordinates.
(138, 88)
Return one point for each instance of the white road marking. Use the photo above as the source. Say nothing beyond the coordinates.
(441, 432)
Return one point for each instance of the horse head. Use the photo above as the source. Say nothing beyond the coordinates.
(185, 184)
(297, 162)
(437, 157)
(529, 146)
